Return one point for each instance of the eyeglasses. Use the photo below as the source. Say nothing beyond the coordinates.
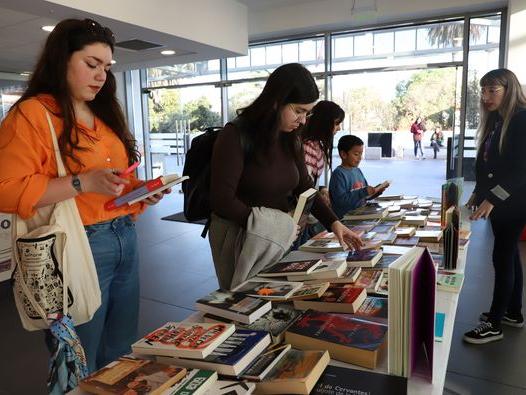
(490, 90)
(300, 112)
(97, 29)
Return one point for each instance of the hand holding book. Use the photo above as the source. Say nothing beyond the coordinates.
(377, 190)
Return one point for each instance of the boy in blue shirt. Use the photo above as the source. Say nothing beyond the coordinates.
(348, 188)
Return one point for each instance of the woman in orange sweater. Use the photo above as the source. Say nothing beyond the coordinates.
(73, 83)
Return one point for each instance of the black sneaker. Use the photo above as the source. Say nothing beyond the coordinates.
(515, 320)
(484, 333)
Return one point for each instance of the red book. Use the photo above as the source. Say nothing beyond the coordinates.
(335, 300)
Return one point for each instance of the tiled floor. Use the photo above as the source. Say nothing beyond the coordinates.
(176, 269)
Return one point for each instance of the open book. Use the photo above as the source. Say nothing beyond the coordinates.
(303, 207)
(149, 188)
(384, 185)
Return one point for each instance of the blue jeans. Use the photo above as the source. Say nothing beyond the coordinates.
(113, 328)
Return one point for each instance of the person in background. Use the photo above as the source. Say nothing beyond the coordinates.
(73, 83)
(499, 195)
(317, 137)
(417, 129)
(348, 187)
(437, 139)
(274, 174)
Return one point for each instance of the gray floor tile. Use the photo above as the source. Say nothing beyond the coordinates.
(154, 314)
(457, 384)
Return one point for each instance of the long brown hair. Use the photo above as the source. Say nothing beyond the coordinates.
(320, 126)
(513, 100)
(49, 77)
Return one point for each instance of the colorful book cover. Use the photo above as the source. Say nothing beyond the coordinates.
(346, 381)
(440, 320)
(234, 302)
(197, 381)
(233, 349)
(268, 289)
(373, 308)
(406, 241)
(385, 261)
(385, 237)
(341, 329)
(369, 279)
(131, 374)
(363, 255)
(264, 362)
(383, 288)
(383, 228)
(285, 268)
(449, 281)
(229, 387)
(340, 295)
(192, 340)
(310, 291)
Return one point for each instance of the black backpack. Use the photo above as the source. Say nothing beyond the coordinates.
(196, 189)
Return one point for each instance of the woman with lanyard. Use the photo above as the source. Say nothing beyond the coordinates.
(74, 85)
(499, 195)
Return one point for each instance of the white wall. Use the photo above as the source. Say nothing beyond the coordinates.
(336, 14)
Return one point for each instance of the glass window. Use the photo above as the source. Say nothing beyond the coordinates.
(241, 95)
(290, 53)
(274, 54)
(257, 56)
(405, 40)
(10, 92)
(383, 43)
(363, 44)
(343, 47)
(182, 74)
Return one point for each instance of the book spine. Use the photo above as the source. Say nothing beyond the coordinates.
(136, 193)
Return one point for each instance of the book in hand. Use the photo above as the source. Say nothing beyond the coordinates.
(229, 387)
(299, 268)
(337, 380)
(380, 187)
(196, 382)
(335, 300)
(303, 207)
(149, 188)
(231, 357)
(233, 306)
(295, 373)
(326, 270)
(363, 258)
(132, 374)
(264, 362)
(184, 339)
(449, 281)
(347, 338)
(261, 288)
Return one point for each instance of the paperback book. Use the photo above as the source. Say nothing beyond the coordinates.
(233, 306)
(299, 268)
(196, 382)
(264, 362)
(369, 280)
(449, 281)
(349, 276)
(228, 387)
(326, 270)
(347, 338)
(363, 258)
(184, 339)
(366, 212)
(303, 207)
(268, 289)
(335, 300)
(373, 309)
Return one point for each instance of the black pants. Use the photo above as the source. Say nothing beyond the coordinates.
(507, 292)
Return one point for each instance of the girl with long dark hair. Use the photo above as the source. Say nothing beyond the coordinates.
(261, 164)
(74, 85)
(499, 195)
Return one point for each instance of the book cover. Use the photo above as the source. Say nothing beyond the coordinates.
(341, 329)
(149, 188)
(335, 299)
(337, 380)
(361, 258)
(322, 245)
(234, 306)
(264, 362)
(449, 281)
(385, 261)
(383, 288)
(182, 339)
(405, 231)
(326, 270)
(229, 387)
(383, 228)
(132, 374)
(276, 321)
(440, 320)
(310, 291)
(374, 309)
(303, 207)
(291, 268)
(369, 279)
(197, 381)
(406, 241)
(268, 289)
(366, 212)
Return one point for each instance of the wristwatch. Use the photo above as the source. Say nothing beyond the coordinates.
(75, 181)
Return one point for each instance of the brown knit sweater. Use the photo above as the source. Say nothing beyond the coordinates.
(237, 186)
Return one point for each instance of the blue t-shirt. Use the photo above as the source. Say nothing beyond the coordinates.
(347, 189)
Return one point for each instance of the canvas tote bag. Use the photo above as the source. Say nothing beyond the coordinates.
(54, 268)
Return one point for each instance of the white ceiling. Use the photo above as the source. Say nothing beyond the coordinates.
(258, 5)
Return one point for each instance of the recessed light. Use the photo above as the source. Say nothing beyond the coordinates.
(168, 52)
(48, 28)
(113, 61)
(25, 73)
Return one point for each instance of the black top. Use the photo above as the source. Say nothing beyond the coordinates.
(501, 176)
(237, 184)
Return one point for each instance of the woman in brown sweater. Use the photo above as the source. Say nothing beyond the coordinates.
(261, 164)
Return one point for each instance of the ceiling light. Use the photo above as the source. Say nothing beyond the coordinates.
(168, 52)
(113, 61)
(25, 73)
(48, 28)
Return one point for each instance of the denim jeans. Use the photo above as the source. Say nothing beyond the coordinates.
(418, 146)
(113, 328)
